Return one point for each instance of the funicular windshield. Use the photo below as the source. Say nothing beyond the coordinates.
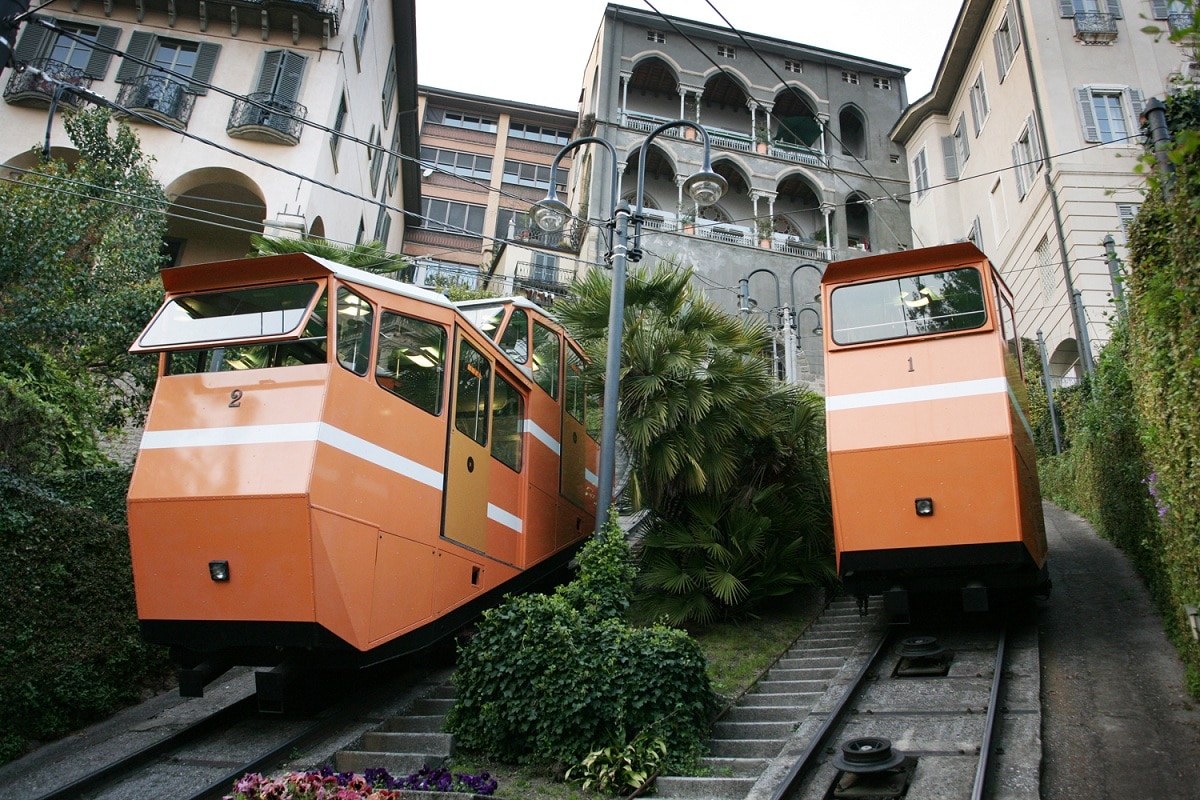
(907, 306)
(224, 320)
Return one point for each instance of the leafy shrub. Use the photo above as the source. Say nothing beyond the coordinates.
(70, 651)
(550, 678)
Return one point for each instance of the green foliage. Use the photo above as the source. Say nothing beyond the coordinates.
(552, 678)
(1134, 427)
(620, 768)
(79, 249)
(730, 461)
(369, 256)
(1164, 292)
(70, 651)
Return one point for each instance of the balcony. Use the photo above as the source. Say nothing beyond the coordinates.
(541, 278)
(730, 140)
(29, 86)
(314, 17)
(1095, 28)
(262, 117)
(158, 97)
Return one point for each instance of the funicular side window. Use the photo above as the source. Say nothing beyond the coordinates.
(474, 389)
(411, 360)
(355, 318)
(546, 354)
(515, 339)
(907, 306)
(574, 386)
(216, 317)
(508, 415)
(1008, 326)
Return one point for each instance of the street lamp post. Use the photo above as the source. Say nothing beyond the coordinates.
(551, 214)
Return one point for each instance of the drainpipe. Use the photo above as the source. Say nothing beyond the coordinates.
(1078, 315)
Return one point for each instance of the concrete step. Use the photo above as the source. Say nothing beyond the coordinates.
(667, 788)
(398, 765)
(787, 699)
(745, 748)
(429, 723)
(430, 744)
(433, 706)
(711, 767)
(790, 687)
(756, 729)
(794, 660)
(742, 713)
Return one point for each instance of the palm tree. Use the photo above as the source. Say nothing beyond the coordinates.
(730, 461)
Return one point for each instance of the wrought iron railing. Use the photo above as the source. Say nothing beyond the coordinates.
(1091, 28)
(158, 96)
(542, 277)
(31, 86)
(798, 154)
(264, 117)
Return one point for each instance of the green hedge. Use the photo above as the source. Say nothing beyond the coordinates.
(70, 652)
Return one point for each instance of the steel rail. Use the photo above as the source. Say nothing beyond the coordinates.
(804, 762)
(989, 726)
(111, 772)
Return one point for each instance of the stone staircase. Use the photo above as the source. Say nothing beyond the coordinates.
(761, 723)
(403, 744)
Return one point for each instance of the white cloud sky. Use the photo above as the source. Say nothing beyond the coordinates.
(533, 51)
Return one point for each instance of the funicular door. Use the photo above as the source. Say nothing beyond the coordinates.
(467, 456)
(574, 433)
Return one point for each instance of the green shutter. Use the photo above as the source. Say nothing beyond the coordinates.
(106, 41)
(291, 73)
(206, 62)
(34, 43)
(140, 43)
(270, 71)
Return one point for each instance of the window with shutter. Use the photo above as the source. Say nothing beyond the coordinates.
(87, 48)
(177, 60)
(389, 87)
(360, 32)
(949, 158)
(1109, 114)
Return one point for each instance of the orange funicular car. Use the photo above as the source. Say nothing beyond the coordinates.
(339, 468)
(932, 467)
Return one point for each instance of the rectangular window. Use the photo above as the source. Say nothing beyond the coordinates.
(411, 360)
(913, 305)
(1109, 114)
(376, 154)
(1007, 40)
(793, 66)
(883, 83)
(86, 48)
(458, 119)
(726, 51)
(544, 268)
(1045, 263)
(393, 167)
(920, 173)
(538, 133)
(658, 37)
(230, 315)
(1027, 157)
(175, 61)
(452, 217)
(546, 354)
(388, 93)
(575, 396)
(979, 103)
(537, 176)
(1125, 214)
(339, 122)
(472, 400)
(515, 340)
(465, 165)
(360, 32)
(355, 324)
(383, 223)
(508, 418)
(850, 77)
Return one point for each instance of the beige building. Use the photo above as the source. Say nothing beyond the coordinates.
(484, 162)
(1026, 145)
(241, 103)
(798, 132)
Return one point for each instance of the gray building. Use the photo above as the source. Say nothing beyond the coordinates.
(800, 134)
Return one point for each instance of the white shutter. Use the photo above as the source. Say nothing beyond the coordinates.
(1137, 105)
(1019, 170)
(1066, 8)
(1114, 8)
(1035, 143)
(1091, 131)
(1161, 9)
(1014, 26)
(949, 158)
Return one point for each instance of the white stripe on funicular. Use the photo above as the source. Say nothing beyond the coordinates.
(542, 436)
(295, 432)
(917, 394)
(506, 519)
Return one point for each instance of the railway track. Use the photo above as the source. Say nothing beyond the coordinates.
(198, 749)
(941, 712)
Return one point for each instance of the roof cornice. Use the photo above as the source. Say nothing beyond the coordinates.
(964, 38)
